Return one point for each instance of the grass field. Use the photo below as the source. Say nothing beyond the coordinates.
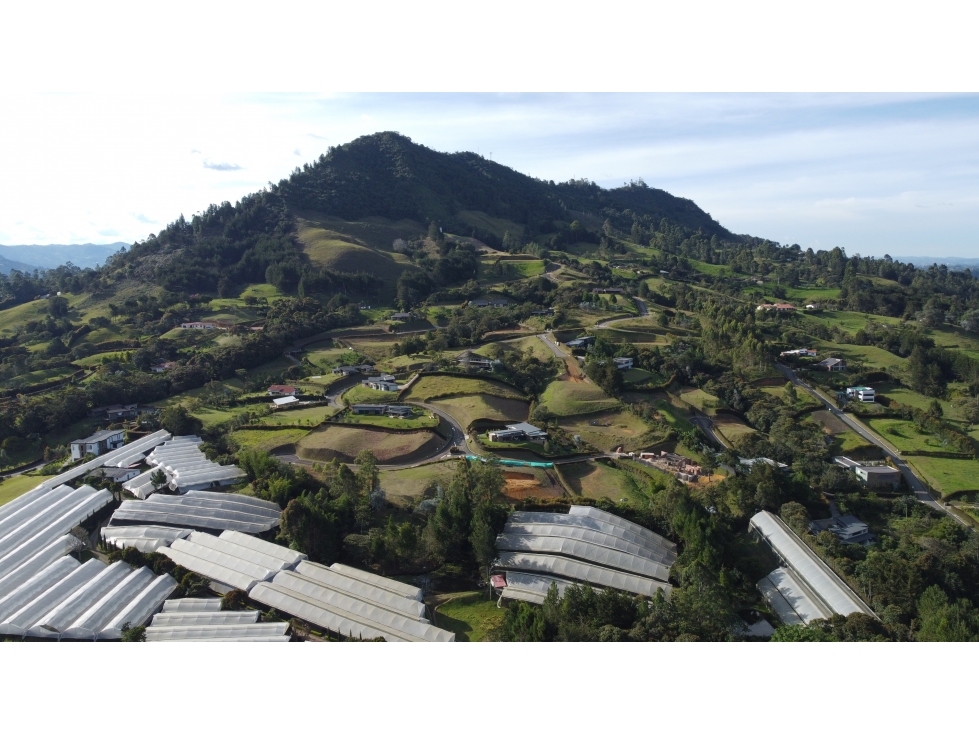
(916, 400)
(850, 321)
(567, 397)
(29, 379)
(303, 416)
(945, 475)
(732, 427)
(419, 420)
(436, 386)
(211, 417)
(325, 443)
(530, 343)
(470, 614)
(94, 360)
(467, 408)
(702, 401)
(856, 354)
(904, 435)
(406, 484)
(13, 487)
(361, 394)
(625, 430)
(636, 376)
(268, 440)
(592, 479)
(513, 270)
(677, 417)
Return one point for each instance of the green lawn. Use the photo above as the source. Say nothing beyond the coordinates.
(855, 355)
(508, 270)
(612, 429)
(567, 397)
(96, 359)
(13, 487)
(470, 614)
(593, 479)
(303, 416)
(702, 401)
(677, 418)
(420, 420)
(29, 379)
(850, 321)
(362, 394)
(905, 436)
(529, 343)
(211, 417)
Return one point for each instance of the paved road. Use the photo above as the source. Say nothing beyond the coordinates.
(22, 470)
(707, 427)
(921, 492)
(548, 339)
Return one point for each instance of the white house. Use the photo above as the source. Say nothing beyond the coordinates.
(98, 443)
(623, 363)
(863, 394)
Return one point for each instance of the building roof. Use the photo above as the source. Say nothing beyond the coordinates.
(527, 428)
(829, 362)
(877, 469)
(286, 400)
(100, 435)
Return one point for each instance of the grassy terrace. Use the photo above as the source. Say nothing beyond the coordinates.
(593, 479)
(947, 475)
(609, 430)
(269, 440)
(470, 614)
(419, 420)
(401, 485)
(566, 397)
(437, 386)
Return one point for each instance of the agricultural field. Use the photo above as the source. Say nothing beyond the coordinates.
(567, 397)
(401, 485)
(468, 408)
(593, 479)
(376, 348)
(956, 338)
(945, 475)
(470, 614)
(335, 441)
(269, 440)
(327, 355)
(13, 487)
(428, 387)
(609, 430)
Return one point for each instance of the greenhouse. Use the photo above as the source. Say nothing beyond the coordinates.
(144, 538)
(590, 536)
(590, 523)
(587, 552)
(215, 512)
(531, 588)
(807, 584)
(581, 572)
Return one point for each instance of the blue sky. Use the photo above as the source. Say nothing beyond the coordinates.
(876, 174)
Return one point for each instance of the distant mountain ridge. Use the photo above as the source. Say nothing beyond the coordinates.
(29, 257)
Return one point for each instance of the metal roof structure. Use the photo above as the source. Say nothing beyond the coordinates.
(351, 603)
(201, 511)
(808, 585)
(580, 572)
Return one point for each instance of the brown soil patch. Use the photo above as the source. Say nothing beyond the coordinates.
(344, 443)
(520, 486)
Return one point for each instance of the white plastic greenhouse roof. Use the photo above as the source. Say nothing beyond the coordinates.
(406, 590)
(366, 592)
(137, 611)
(183, 619)
(24, 618)
(785, 586)
(549, 565)
(103, 611)
(218, 512)
(596, 514)
(207, 555)
(590, 536)
(215, 500)
(351, 602)
(144, 538)
(583, 551)
(259, 558)
(210, 604)
(36, 585)
(821, 585)
(186, 467)
(220, 631)
(777, 603)
(107, 459)
(51, 552)
(288, 555)
(531, 587)
(590, 523)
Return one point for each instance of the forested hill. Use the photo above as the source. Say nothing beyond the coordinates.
(388, 175)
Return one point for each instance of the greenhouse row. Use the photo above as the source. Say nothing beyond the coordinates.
(185, 467)
(351, 603)
(201, 511)
(202, 620)
(806, 589)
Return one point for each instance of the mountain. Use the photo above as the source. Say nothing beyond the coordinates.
(952, 263)
(28, 257)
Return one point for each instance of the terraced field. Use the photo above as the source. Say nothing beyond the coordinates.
(611, 429)
(401, 485)
(268, 440)
(468, 408)
(439, 386)
(594, 480)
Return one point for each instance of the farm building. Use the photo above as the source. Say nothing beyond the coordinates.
(804, 589)
(585, 546)
(98, 443)
(117, 474)
(403, 316)
(799, 353)
(622, 363)
(288, 400)
(849, 529)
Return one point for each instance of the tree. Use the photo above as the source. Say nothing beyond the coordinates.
(179, 422)
(133, 634)
(796, 517)
(158, 479)
(234, 601)
(790, 394)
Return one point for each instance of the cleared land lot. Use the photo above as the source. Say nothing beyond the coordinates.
(419, 420)
(526, 483)
(361, 394)
(469, 408)
(610, 429)
(268, 440)
(592, 479)
(731, 427)
(904, 435)
(869, 357)
(702, 401)
(404, 484)
(333, 441)
(438, 386)
(536, 347)
(566, 397)
(40, 377)
(307, 416)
